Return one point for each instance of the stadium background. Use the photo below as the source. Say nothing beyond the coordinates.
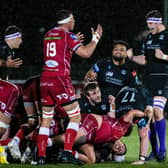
(121, 19)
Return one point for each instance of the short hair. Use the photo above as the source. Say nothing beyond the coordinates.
(62, 14)
(153, 13)
(120, 42)
(12, 29)
(89, 87)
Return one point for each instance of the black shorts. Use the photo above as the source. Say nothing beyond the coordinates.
(157, 85)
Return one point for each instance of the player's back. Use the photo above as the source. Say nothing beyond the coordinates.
(9, 94)
(58, 47)
(132, 97)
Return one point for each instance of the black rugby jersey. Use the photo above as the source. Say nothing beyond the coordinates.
(132, 97)
(101, 108)
(5, 52)
(111, 78)
(152, 42)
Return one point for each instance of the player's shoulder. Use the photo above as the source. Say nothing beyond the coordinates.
(54, 32)
(165, 32)
(9, 85)
(104, 61)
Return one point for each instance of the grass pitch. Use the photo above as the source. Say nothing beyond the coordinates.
(132, 154)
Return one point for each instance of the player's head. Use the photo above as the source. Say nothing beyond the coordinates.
(13, 36)
(154, 20)
(93, 93)
(65, 17)
(119, 50)
(119, 148)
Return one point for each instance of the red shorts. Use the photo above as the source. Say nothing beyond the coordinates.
(56, 90)
(9, 94)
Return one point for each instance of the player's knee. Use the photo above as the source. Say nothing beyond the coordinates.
(159, 105)
(92, 160)
(48, 112)
(74, 113)
(158, 113)
(3, 127)
(32, 120)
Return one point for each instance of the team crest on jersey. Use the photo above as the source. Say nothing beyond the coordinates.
(109, 74)
(149, 42)
(109, 67)
(123, 72)
(73, 36)
(103, 107)
(161, 37)
(160, 92)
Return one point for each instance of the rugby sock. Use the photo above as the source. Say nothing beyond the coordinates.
(161, 130)
(42, 139)
(70, 135)
(153, 138)
(21, 133)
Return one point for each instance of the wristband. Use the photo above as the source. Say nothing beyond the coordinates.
(164, 57)
(95, 37)
(143, 158)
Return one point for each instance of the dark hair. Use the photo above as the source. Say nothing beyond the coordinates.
(120, 42)
(62, 14)
(89, 87)
(12, 29)
(153, 13)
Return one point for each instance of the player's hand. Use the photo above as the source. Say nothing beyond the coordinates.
(159, 54)
(111, 99)
(91, 77)
(97, 34)
(80, 36)
(130, 53)
(13, 63)
(138, 162)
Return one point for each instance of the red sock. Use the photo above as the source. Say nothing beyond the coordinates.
(42, 144)
(70, 135)
(5, 142)
(34, 136)
(20, 134)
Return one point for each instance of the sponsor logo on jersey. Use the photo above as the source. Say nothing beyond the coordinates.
(51, 63)
(53, 34)
(149, 42)
(103, 107)
(160, 92)
(52, 38)
(73, 36)
(109, 74)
